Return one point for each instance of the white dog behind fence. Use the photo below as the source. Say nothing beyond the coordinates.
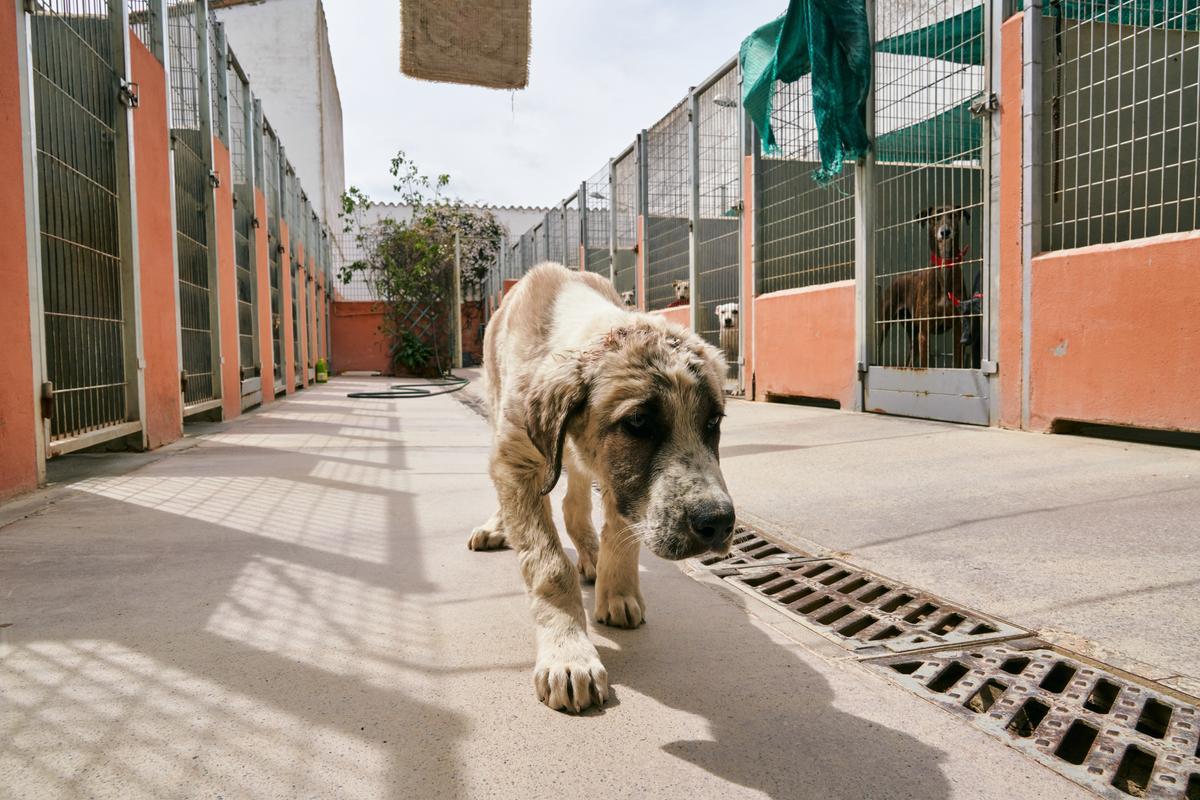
(727, 320)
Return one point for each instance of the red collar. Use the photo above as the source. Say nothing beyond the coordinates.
(938, 261)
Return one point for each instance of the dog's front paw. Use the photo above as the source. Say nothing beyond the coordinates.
(620, 610)
(570, 677)
(487, 538)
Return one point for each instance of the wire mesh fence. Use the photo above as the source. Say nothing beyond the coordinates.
(805, 231)
(192, 153)
(271, 177)
(78, 130)
(625, 223)
(553, 230)
(668, 189)
(928, 218)
(597, 229)
(241, 148)
(570, 223)
(717, 224)
(1121, 121)
(145, 20)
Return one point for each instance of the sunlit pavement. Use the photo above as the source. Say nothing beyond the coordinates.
(288, 609)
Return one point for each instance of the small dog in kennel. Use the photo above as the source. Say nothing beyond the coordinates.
(682, 294)
(727, 321)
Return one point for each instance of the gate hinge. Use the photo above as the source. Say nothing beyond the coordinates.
(48, 400)
(183, 381)
(254, 223)
(31, 6)
(861, 367)
(128, 94)
(985, 104)
(214, 179)
(989, 367)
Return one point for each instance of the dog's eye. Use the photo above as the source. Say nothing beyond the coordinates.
(713, 423)
(636, 424)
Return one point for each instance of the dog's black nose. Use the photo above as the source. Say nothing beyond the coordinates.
(712, 522)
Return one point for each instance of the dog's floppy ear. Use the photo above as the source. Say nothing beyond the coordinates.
(924, 216)
(965, 213)
(553, 399)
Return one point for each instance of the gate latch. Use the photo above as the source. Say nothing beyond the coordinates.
(214, 179)
(183, 381)
(48, 400)
(989, 367)
(985, 104)
(862, 368)
(128, 94)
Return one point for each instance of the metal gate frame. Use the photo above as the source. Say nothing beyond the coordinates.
(204, 108)
(250, 374)
(132, 429)
(735, 382)
(948, 394)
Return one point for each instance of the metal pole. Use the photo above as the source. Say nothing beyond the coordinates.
(612, 222)
(693, 116)
(456, 312)
(582, 202)
(864, 245)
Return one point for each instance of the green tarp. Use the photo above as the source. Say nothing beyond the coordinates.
(953, 135)
(830, 39)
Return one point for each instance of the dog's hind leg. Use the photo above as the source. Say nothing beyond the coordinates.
(618, 594)
(490, 535)
(577, 513)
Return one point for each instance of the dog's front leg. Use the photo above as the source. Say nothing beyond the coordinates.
(618, 595)
(568, 674)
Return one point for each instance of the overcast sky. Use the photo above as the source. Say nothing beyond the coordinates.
(600, 71)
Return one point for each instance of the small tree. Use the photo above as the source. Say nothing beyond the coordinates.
(409, 264)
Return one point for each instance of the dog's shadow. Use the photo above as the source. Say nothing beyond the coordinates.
(773, 724)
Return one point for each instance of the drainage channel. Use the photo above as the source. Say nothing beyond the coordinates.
(1118, 736)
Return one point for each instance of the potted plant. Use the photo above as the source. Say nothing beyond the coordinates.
(322, 371)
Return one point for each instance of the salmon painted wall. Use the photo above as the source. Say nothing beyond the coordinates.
(262, 281)
(682, 315)
(1116, 335)
(1010, 266)
(286, 342)
(508, 284)
(302, 321)
(156, 249)
(358, 344)
(18, 422)
(805, 343)
(231, 379)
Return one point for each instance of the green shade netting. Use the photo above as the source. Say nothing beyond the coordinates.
(953, 135)
(961, 37)
(830, 39)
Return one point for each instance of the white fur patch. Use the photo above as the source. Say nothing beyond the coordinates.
(579, 313)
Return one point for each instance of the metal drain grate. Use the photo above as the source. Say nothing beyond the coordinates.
(865, 612)
(1115, 736)
(751, 548)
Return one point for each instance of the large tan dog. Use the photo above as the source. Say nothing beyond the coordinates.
(576, 381)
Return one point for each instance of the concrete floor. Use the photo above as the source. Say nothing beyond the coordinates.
(285, 607)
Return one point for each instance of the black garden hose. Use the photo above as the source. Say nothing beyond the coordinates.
(403, 391)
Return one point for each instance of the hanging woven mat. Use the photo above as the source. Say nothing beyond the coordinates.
(477, 42)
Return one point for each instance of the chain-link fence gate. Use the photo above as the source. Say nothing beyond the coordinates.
(668, 197)
(927, 212)
(78, 53)
(625, 224)
(195, 215)
(241, 148)
(597, 225)
(272, 169)
(717, 215)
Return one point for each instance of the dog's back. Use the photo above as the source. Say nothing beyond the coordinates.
(523, 323)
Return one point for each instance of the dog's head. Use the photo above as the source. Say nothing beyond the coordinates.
(643, 406)
(627, 298)
(727, 314)
(681, 289)
(944, 224)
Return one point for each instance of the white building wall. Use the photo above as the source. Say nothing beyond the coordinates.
(283, 45)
